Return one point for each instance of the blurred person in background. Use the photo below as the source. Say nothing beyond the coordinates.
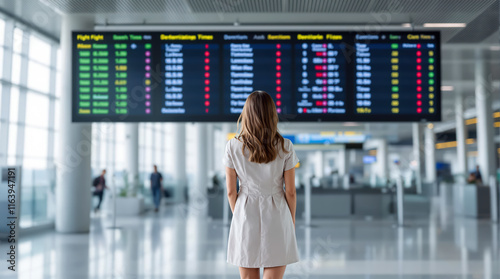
(100, 184)
(156, 187)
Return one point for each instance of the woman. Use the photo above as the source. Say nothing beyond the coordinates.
(262, 232)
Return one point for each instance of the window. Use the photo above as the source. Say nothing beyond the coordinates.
(39, 50)
(1, 60)
(17, 44)
(1, 94)
(37, 110)
(2, 32)
(38, 77)
(14, 104)
(16, 68)
(34, 132)
(36, 143)
(12, 144)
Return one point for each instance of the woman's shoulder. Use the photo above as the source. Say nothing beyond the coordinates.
(234, 141)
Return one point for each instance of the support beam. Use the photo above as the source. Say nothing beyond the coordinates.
(430, 156)
(461, 134)
(485, 146)
(132, 155)
(179, 159)
(319, 164)
(382, 160)
(198, 190)
(73, 162)
(417, 154)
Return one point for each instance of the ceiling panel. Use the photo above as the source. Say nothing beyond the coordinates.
(481, 28)
(118, 6)
(322, 6)
(236, 6)
(42, 18)
(480, 15)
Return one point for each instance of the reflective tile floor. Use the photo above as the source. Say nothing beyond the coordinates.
(181, 242)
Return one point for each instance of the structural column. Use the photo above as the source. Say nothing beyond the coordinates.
(73, 161)
(461, 134)
(430, 156)
(485, 146)
(179, 158)
(163, 159)
(132, 155)
(210, 146)
(225, 129)
(382, 160)
(461, 128)
(342, 159)
(417, 154)
(199, 187)
(319, 164)
(343, 168)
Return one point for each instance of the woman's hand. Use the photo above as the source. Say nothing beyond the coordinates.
(232, 194)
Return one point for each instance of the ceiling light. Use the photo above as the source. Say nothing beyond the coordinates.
(445, 25)
(350, 124)
(406, 25)
(495, 48)
(447, 88)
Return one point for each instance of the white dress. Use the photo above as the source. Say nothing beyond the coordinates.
(262, 232)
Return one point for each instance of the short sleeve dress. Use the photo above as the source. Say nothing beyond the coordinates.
(262, 233)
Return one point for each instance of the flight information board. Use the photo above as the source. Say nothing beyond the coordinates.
(207, 76)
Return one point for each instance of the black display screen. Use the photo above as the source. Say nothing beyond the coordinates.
(207, 76)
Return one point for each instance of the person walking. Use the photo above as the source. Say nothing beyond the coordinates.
(100, 184)
(156, 187)
(262, 232)
(479, 177)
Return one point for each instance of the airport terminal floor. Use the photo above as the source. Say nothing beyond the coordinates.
(181, 242)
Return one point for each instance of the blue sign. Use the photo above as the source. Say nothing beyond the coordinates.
(326, 139)
(369, 159)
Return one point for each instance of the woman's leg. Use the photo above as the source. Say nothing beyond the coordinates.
(275, 272)
(249, 273)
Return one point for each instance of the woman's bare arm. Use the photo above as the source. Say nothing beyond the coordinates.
(290, 192)
(231, 187)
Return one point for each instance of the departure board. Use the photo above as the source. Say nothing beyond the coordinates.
(207, 76)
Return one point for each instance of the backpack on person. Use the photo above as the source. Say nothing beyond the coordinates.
(95, 182)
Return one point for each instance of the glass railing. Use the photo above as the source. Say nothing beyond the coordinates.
(37, 197)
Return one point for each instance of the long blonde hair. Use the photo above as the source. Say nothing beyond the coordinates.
(259, 128)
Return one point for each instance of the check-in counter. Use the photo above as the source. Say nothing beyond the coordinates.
(329, 203)
(339, 203)
(216, 199)
(471, 200)
(372, 202)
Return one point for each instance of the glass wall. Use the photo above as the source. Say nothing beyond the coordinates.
(29, 95)
(28, 73)
(109, 152)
